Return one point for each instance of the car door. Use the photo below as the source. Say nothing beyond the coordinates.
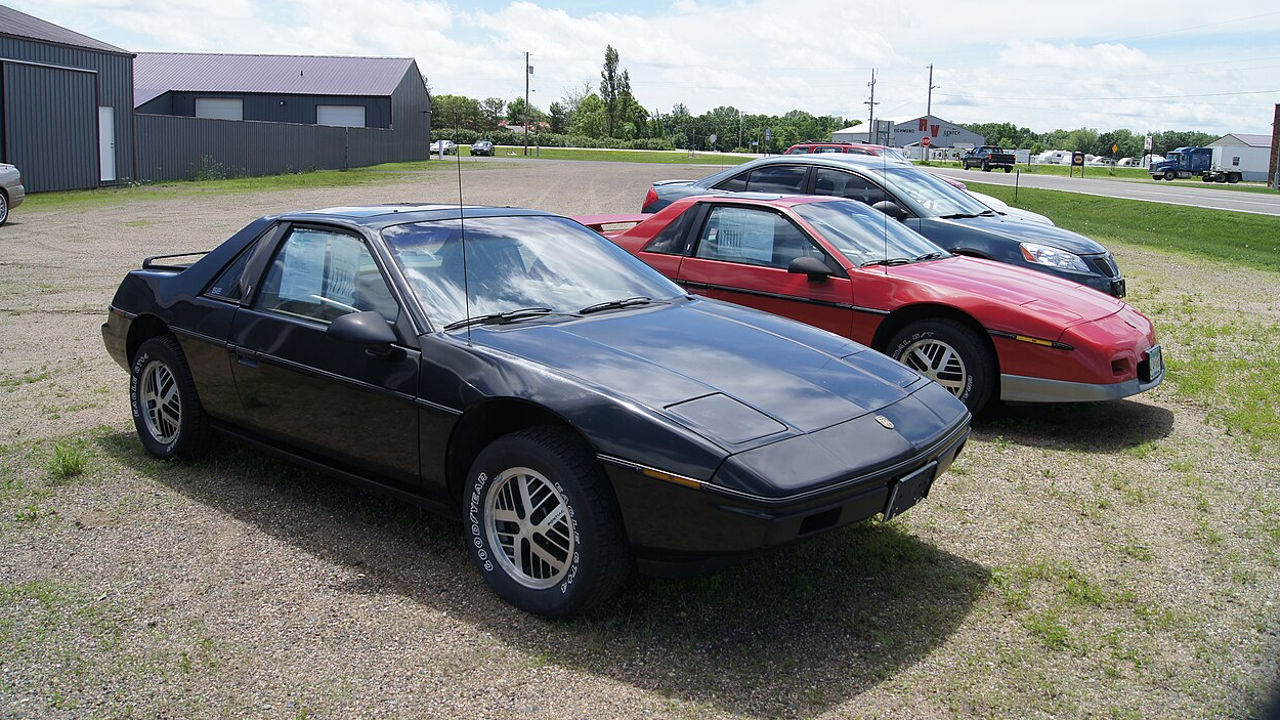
(339, 400)
(741, 255)
(829, 181)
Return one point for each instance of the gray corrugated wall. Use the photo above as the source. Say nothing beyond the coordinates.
(183, 148)
(114, 88)
(51, 126)
(411, 116)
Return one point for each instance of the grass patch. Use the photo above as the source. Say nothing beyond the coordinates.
(69, 461)
(1239, 238)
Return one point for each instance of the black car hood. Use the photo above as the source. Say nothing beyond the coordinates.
(701, 361)
(1019, 231)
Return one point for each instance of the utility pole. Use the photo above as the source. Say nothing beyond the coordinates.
(928, 108)
(871, 110)
(529, 71)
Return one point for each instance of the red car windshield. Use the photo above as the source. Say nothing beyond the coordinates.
(865, 235)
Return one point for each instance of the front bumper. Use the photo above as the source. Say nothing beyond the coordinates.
(1018, 388)
(686, 528)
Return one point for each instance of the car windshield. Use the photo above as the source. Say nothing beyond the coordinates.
(517, 263)
(893, 154)
(866, 236)
(934, 197)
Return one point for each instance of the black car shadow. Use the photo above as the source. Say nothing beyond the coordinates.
(1102, 427)
(791, 633)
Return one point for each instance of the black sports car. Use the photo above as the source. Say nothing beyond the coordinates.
(575, 409)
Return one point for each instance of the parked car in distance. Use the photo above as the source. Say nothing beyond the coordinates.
(981, 329)
(450, 147)
(482, 147)
(949, 217)
(821, 147)
(11, 190)
(987, 157)
(581, 414)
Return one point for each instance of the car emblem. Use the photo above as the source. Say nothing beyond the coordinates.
(886, 422)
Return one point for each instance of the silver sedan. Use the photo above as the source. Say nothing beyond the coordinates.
(11, 190)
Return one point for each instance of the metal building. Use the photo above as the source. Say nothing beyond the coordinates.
(260, 114)
(941, 134)
(1250, 154)
(66, 111)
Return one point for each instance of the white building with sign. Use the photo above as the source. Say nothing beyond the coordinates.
(941, 134)
(1249, 154)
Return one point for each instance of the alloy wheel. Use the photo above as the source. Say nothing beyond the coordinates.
(161, 402)
(939, 362)
(528, 523)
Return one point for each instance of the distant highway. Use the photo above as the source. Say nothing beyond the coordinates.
(1206, 197)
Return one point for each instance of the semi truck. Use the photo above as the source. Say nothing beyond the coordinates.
(1185, 162)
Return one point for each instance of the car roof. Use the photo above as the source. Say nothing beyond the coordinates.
(395, 214)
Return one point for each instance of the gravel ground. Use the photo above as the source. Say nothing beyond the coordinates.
(1114, 560)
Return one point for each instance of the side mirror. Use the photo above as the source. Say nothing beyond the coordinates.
(366, 328)
(891, 208)
(811, 266)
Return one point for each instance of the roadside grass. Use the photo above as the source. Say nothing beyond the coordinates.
(1241, 238)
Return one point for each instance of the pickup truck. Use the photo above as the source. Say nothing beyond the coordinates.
(987, 157)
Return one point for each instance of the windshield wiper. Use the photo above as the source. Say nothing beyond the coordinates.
(886, 261)
(611, 304)
(501, 318)
(935, 255)
(954, 216)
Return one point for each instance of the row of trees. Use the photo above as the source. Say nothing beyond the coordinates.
(610, 114)
(1088, 140)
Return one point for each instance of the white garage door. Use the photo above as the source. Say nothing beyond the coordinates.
(340, 115)
(220, 108)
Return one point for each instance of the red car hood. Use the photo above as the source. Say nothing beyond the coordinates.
(1045, 295)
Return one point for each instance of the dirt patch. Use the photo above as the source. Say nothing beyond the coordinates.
(1111, 560)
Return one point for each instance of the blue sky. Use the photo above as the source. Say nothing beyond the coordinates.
(1141, 64)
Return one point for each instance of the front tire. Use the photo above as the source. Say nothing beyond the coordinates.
(543, 526)
(952, 355)
(4, 208)
(166, 409)
(1169, 175)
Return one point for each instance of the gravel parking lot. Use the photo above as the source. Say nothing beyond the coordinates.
(1115, 560)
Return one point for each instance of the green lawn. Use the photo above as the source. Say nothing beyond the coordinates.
(1241, 238)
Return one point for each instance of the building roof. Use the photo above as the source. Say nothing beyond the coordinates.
(157, 73)
(21, 25)
(1262, 141)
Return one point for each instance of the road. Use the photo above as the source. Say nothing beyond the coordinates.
(1207, 197)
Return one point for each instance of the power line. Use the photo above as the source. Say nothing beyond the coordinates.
(1105, 97)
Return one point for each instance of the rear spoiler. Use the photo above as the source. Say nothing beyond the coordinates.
(151, 264)
(598, 222)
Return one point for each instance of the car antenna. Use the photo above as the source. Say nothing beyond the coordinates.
(462, 226)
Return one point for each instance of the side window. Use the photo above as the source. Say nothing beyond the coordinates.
(323, 275)
(671, 240)
(737, 183)
(847, 185)
(828, 149)
(753, 237)
(777, 179)
(229, 285)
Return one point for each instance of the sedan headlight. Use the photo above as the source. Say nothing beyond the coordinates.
(1053, 257)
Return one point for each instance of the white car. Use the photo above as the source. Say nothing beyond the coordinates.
(11, 190)
(450, 147)
(1007, 210)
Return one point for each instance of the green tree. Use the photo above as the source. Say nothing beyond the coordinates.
(590, 118)
(558, 118)
(610, 88)
(492, 111)
(456, 111)
(516, 113)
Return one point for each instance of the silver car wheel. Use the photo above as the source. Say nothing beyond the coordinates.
(937, 361)
(4, 208)
(528, 523)
(161, 402)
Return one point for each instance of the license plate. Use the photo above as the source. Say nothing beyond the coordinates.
(1155, 363)
(910, 490)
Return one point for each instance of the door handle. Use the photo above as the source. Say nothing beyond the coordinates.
(248, 358)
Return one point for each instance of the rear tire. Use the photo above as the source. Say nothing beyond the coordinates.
(1233, 177)
(166, 409)
(4, 208)
(543, 525)
(1008, 169)
(951, 354)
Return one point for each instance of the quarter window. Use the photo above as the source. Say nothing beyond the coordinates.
(847, 185)
(229, 285)
(754, 237)
(323, 275)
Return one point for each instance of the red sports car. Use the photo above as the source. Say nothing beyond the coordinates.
(982, 329)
